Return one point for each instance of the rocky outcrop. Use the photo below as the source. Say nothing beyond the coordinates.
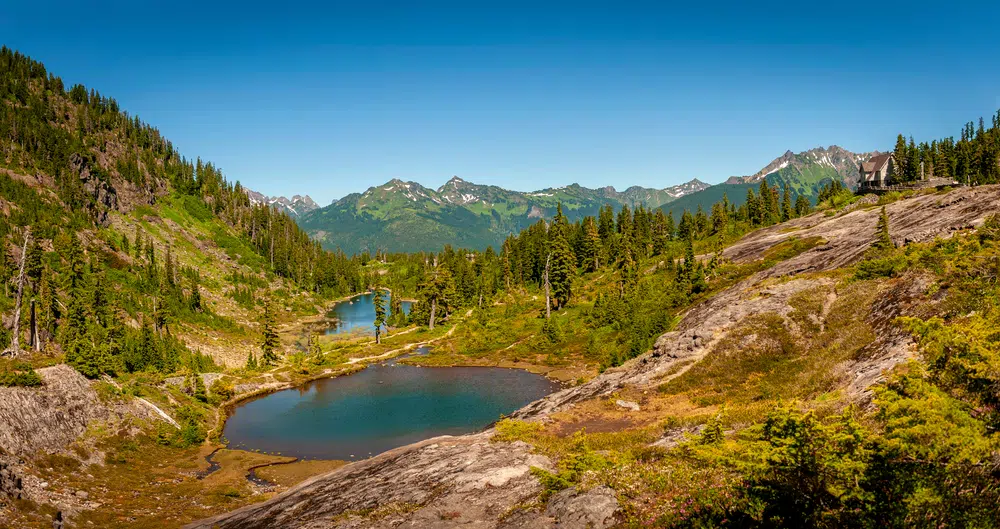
(848, 235)
(444, 482)
(11, 486)
(51, 417)
(105, 197)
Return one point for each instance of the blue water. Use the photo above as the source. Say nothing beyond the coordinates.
(358, 314)
(379, 408)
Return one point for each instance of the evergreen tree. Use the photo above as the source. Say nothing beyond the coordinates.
(802, 206)
(686, 227)
(49, 314)
(315, 350)
(624, 224)
(563, 262)
(883, 240)
(753, 208)
(378, 300)
(437, 293)
(606, 223)
(591, 247)
(195, 295)
(269, 335)
(900, 156)
(33, 263)
(199, 389)
(396, 315)
(251, 364)
(628, 270)
(912, 162)
(701, 223)
(786, 204)
(661, 235)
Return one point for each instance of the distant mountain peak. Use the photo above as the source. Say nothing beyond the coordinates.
(296, 206)
(834, 157)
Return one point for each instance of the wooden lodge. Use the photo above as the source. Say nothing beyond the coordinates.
(878, 175)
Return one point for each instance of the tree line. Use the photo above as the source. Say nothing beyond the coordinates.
(972, 159)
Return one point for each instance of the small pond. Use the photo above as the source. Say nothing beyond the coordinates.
(358, 314)
(379, 408)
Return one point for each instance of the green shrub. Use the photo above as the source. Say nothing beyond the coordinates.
(889, 266)
(20, 374)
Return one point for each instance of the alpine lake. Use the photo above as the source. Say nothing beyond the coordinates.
(384, 406)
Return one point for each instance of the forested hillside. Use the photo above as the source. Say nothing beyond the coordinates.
(114, 244)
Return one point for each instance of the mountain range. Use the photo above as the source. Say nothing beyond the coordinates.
(295, 207)
(403, 216)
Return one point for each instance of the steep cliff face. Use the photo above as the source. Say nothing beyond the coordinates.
(470, 481)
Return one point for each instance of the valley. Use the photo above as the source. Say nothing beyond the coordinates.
(776, 350)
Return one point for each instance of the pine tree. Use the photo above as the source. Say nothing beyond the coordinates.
(33, 266)
(379, 302)
(508, 274)
(49, 314)
(168, 268)
(700, 222)
(396, 316)
(269, 335)
(883, 240)
(195, 295)
(912, 162)
(199, 389)
(686, 227)
(592, 244)
(251, 362)
(802, 206)
(670, 228)
(786, 204)
(438, 292)
(315, 350)
(606, 224)
(900, 158)
(628, 270)
(753, 208)
(660, 235)
(624, 224)
(563, 262)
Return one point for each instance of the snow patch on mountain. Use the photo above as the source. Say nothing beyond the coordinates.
(296, 206)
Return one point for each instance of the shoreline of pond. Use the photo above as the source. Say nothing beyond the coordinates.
(481, 382)
(225, 410)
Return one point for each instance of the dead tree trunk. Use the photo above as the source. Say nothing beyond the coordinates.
(434, 304)
(33, 338)
(15, 344)
(548, 298)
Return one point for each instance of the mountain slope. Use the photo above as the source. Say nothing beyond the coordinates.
(113, 211)
(804, 173)
(408, 217)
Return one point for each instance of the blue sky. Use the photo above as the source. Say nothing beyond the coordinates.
(294, 98)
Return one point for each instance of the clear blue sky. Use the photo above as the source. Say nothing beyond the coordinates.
(295, 98)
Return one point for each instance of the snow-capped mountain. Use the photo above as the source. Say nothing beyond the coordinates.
(841, 161)
(296, 206)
